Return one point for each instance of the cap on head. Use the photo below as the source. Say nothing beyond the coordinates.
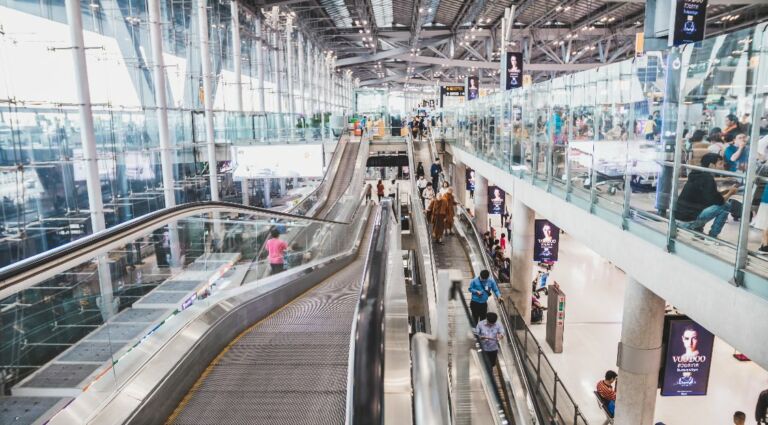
(485, 274)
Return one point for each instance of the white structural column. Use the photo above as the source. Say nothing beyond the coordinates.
(236, 54)
(278, 82)
(522, 256)
(639, 355)
(480, 202)
(161, 101)
(302, 75)
(289, 74)
(205, 58)
(87, 137)
(459, 183)
(261, 64)
(90, 158)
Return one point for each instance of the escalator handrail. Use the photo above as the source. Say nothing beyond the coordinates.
(504, 315)
(326, 182)
(366, 386)
(25, 273)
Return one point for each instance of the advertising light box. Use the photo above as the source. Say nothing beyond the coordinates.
(278, 161)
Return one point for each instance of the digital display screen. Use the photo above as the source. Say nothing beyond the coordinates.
(514, 70)
(278, 161)
(496, 200)
(473, 87)
(690, 21)
(687, 358)
(546, 241)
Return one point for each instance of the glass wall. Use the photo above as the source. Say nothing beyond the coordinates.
(670, 145)
(42, 169)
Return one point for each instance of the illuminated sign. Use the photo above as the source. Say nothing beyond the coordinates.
(690, 21)
(278, 161)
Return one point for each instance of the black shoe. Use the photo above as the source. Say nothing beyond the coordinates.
(763, 250)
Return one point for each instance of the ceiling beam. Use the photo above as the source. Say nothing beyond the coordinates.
(495, 65)
(386, 54)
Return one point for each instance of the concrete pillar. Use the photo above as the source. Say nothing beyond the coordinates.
(522, 256)
(481, 202)
(267, 193)
(460, 183)
(283, 185)
(289, 75)
(246, 194)
(302, 75)
(278, 83)
(639, 355)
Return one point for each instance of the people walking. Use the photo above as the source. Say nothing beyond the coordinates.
(450, 213)
(380, 190)
(420, 170)
(428, 194)
(481, 288)
(439, 208)
(368, 190)
(276, 249)
(434, 172)
(421, 184)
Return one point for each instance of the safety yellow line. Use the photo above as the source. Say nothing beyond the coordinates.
(187, 398)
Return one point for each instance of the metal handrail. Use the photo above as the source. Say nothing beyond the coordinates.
(366, 386)
(30, 271)
(517, 345)
(335, 162)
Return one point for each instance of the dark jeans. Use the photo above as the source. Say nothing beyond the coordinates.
(479, 310)
(491, 356)
(276, 268)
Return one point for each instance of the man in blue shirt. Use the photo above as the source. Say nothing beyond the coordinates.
(737, 152)
(480, 288)
(490, 332)
(434, 172)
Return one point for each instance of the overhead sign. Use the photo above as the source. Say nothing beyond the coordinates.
(473, 87)
(450, 91)
(687, 358)
(514, 70)
(690, 21)
(278, 161)
(470, 178)
(546, 242)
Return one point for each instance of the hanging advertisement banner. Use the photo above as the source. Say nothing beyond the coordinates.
(690, 21)
(514, 70)
(687, 358)
(470, 178)
(473, 87)
(546, 241)
(496, 200)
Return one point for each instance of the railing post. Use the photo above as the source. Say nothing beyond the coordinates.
(554, 397)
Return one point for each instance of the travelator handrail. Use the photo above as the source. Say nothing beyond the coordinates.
(365, 388)
(325, 184)
(530, 408)
(519, 349)
(30, 271)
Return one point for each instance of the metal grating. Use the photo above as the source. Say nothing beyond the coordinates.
(89, 351)
(57, 375)
(162, 297)
(144, 315)
(180, 285)
(117, 332)
(25, 410)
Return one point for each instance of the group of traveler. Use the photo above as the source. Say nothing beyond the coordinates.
(701, 200)
(439, 206)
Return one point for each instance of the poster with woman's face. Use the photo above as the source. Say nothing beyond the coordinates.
(473, 87)
(470, 177)
(687, 359)
(496, 199)
(514, 70)
(546, 242)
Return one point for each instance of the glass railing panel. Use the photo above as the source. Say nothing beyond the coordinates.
(74, 328)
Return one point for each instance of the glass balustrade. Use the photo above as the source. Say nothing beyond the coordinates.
(627, 140)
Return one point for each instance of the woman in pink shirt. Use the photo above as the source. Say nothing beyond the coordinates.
(276, 249)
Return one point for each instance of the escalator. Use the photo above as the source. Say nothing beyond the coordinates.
(289, 368)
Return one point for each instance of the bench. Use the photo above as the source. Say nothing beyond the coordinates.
(604, 408)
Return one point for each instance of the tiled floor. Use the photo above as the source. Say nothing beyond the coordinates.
(595, 290)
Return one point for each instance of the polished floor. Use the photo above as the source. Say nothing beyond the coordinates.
(595, 289)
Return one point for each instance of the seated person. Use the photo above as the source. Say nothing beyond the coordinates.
(700, 202)
(607, 393)
(736, 153)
